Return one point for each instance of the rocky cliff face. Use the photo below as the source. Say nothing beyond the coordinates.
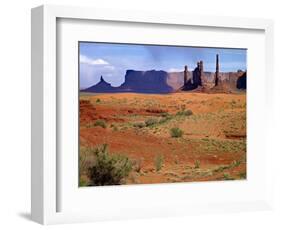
(176, 79)
(101, 87)
(241, 82)
(227, 80)
(154, 81)
(146, 82)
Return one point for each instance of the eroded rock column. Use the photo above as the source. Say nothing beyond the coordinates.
(217, 71)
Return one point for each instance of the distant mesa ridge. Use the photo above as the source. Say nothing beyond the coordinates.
(159, 81)
(102, 86)
(151, 81)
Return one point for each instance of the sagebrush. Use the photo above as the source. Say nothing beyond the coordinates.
(176, 132)
(101, 123)
(108, 169)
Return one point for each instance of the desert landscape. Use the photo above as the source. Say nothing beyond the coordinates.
(208, 141)
(163, 127)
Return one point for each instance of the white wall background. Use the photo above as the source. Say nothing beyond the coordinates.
(15, 113)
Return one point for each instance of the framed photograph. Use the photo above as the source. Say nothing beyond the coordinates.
(140, 115)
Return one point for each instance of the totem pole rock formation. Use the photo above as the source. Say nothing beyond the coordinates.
(212, 82)
(195, 80)
(217, 71)
(197, 74)
(201, 69)
(185, 74)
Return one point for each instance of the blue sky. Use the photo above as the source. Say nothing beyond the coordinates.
(112, 60)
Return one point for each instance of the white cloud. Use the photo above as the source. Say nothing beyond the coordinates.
(85, 60)
(175, 70)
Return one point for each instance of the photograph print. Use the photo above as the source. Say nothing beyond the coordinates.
(161, 114)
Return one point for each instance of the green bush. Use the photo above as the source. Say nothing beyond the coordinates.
(98, 100)
(176, 132)
(100, 123)
(139, 125)
(108, 169)
(165, 118)
(185, 113)
(158, 162)
(165, 114)
(114, 127)
(151, 121)
(226, 176)
(235, 163)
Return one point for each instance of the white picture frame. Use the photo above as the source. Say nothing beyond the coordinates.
(45, 162)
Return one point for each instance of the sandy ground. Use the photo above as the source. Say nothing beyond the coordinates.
(212, 147)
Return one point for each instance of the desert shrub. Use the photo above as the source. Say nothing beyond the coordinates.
(98, 100)
(100, 123)
(227, 177)
(235, 163)
(176, 132)
(151, 121)
(114, 127)
(158, 162)
(108, 169)
(197, 164)
(185, 113)
(165, 118)
(165, 114)
(139, 125)
(221, 168)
